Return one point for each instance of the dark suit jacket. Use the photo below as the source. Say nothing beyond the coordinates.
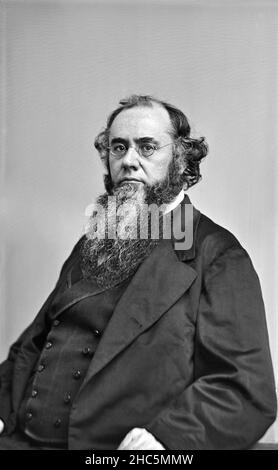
(185, 355)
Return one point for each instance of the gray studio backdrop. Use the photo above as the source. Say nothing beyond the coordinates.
(65, 65)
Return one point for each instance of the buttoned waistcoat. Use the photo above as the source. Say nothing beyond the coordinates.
(185, 354)
(77, 317)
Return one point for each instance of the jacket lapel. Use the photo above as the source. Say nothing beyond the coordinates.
(79, 291)
(159, 282)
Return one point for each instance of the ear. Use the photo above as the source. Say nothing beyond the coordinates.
(182, 166)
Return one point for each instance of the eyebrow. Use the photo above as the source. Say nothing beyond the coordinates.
(146, 139)
(120, 140)
(116, 140)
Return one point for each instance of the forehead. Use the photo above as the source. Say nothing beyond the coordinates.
(142, 121)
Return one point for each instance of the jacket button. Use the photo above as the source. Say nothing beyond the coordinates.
(48, 345)
(41, 367)
(57, 423)
(96, 332)
(29, 415)
(77, 374)
(34, 393)
(56, 322)
(67, 397)
(86, 351)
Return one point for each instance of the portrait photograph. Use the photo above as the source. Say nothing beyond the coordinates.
(138, 225)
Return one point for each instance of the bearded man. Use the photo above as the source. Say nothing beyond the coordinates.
(144, 343)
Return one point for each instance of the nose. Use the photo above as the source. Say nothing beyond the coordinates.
(130, 160)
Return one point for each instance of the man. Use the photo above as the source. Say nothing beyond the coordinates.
(144, 343)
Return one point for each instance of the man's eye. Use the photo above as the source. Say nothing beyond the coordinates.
(148, 147)
(118, 148)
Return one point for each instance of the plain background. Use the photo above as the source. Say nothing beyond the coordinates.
(64, 67)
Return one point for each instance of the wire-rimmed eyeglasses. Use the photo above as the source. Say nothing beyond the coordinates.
(144, 149)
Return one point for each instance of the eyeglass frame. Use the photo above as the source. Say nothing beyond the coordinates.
(138, 150)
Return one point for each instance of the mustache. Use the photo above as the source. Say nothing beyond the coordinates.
(111, 261)
(159, 192)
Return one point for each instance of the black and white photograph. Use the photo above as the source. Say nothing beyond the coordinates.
(138, 226)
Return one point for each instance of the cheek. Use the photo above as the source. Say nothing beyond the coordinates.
(160, 168)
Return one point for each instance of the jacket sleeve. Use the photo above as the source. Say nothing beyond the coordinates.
(6, 374)
(7, 367)
(232, 401)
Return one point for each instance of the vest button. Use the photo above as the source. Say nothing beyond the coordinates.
(41, 367)
(57, 423)
(67, 397)
(86, 351)
(96, 332)
(56, 322)
(48, 345)
(29, 415)
(77, 374)
(34, 393)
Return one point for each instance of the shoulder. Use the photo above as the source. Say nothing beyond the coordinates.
(73, 256)
(213, 243)
(211, 236)
(222, 263)
(209, 239)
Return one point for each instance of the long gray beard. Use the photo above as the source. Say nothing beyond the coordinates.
(110, 261)
(120, 260)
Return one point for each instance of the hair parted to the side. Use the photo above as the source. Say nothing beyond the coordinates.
(188, 151)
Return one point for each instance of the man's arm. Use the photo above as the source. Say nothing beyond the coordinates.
(6, 374)
(7, 367)
(232, 400)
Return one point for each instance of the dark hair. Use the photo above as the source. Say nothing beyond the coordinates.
(188, 150)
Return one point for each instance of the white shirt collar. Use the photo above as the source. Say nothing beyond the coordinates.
(172, 205)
